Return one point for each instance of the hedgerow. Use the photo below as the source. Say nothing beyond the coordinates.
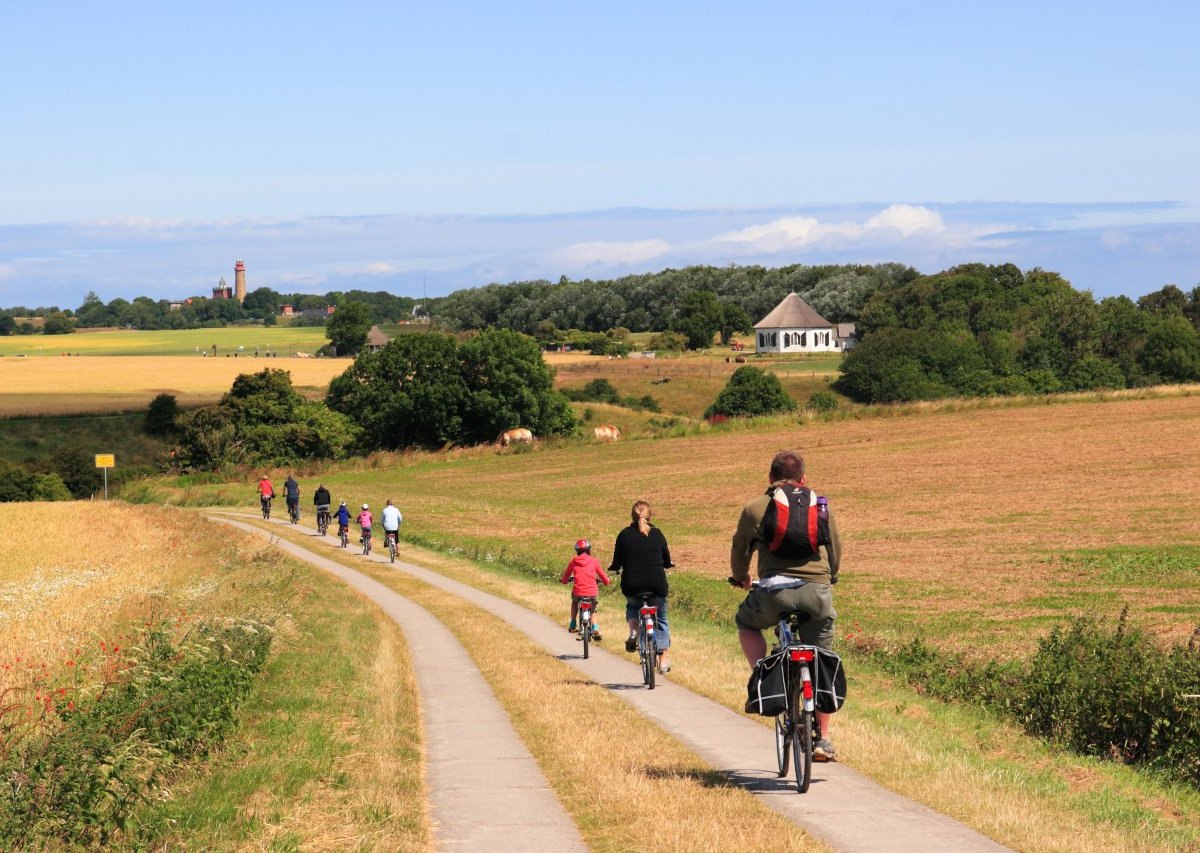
(77, 759)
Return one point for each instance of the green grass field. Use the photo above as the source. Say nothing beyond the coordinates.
(284, 340)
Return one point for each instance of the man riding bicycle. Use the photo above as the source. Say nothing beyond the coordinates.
(391, 522)
(786, 527)
(322, 500)
(291, 491)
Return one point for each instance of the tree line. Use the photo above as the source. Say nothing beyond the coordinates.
(262, 305)
(660, 301)
(977, 330)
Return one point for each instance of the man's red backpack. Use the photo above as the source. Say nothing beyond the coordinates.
(796, 522)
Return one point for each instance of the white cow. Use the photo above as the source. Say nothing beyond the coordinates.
(607, 432)
(520, 435)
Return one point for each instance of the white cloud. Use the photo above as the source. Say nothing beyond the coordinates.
(895, 225)
(379, 268)
(1113, 239)
(630, 252)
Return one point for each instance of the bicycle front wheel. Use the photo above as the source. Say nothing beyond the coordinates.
(783, 743)
(802, 749)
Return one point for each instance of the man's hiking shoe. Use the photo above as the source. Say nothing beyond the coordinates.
(823, 750)
(631, 644)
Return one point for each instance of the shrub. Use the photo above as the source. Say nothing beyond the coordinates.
(822, 401)
(596, 391)
(161, 415)
(751, 392)
(668, 342)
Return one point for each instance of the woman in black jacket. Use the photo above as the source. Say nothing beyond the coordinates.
(641, 558)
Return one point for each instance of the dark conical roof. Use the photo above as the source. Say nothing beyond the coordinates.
(793, 313)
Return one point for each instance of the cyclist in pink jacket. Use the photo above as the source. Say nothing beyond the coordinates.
(585, 570)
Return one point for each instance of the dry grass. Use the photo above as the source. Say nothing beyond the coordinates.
(64, 587)
(55, 386)
(933, 508)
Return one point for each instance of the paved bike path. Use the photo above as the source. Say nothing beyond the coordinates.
(842, 807)
(485, 789)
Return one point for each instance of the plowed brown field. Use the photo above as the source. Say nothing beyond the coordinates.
(955, 522)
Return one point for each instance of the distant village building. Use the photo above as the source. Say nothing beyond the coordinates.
(376, 339)
(290, 311)
(847, 336)
(793, 326)
(222, 290)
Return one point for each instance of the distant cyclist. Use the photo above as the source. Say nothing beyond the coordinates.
(585, 574)
(343, 519)
(641, 553)
(291, 492)
(364, 521)
(265, 492)
(322, 500)
(391, 521)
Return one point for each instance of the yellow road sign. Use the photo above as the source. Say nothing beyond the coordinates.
(106, 460)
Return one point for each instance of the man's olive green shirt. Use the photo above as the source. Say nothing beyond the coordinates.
(749, 538)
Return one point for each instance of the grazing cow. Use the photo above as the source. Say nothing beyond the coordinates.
(520, 435)
(607, 432)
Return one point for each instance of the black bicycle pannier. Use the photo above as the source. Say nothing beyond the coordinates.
(766, 692)
(829, 682)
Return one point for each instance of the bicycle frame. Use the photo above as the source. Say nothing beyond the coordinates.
(795, 727)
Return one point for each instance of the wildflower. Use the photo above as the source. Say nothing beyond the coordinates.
(70, 706)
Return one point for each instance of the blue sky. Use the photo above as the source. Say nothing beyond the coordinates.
(148, 145)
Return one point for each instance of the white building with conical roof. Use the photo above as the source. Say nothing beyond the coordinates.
(793, 326)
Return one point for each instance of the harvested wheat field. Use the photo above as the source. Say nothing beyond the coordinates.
(972, 527)
(59, 386)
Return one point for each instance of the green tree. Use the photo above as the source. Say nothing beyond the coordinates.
(7, 324)
(668, 342)
(734, 321)
(20, 484)
(700, 318)
(751, 392)
(510, 385)
(1172, 351)
(348, 326)
(58, 323)
(77, 470)
(161, 415)
(409, 394)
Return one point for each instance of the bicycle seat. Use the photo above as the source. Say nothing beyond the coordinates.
(796, 617)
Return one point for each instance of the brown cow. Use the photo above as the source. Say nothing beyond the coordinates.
(520, 435)
(607, 432)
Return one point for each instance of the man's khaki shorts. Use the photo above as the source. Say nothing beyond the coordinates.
(763, 608)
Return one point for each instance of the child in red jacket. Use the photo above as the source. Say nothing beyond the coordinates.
(584, 570)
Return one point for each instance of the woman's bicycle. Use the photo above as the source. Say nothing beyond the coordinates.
(647, 643)
(794, 727)
(587, 605)
(265, 500)
(389, 538)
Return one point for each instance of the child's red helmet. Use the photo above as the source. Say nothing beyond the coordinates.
(582, 545)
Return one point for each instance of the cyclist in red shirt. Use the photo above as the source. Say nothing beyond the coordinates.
(265, 491)
(584, 570)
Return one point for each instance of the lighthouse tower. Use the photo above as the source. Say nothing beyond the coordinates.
(239, 281)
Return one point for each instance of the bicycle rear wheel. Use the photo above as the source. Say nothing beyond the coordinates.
(586, 633)
(783, 743)
(802, 749)
(392, 549)
(647, 653)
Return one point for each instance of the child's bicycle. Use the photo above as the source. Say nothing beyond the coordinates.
(366, 542)
(587, 606)
(389, 538)
(647, 643)
(344, 535)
